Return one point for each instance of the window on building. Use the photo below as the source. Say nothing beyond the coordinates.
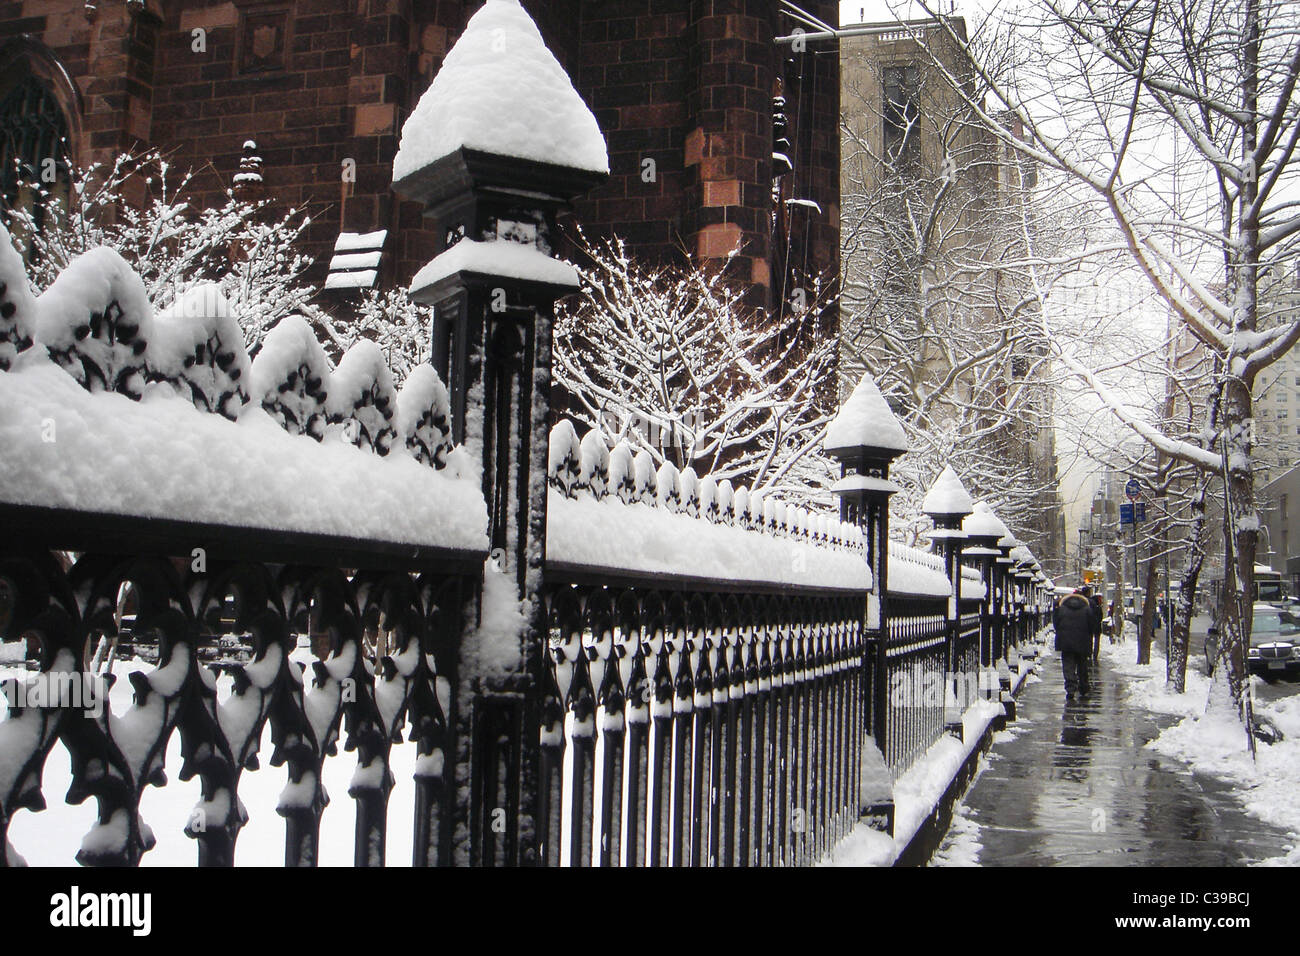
(900, 110)
(1282, 505)
(33, 149)
(1281, 413)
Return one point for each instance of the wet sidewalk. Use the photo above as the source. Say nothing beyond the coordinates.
(1073, 786)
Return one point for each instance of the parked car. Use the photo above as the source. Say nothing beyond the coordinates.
(1274, 642)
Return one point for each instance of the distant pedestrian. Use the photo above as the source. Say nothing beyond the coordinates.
(1073, 622)
(1098, 615)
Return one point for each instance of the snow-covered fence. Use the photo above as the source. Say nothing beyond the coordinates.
(932, 668)
(596, 660)
(706, 692)
(288, 542)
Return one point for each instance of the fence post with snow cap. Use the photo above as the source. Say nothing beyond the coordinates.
(865, 437)
(495, 148)
(982, 532)
(947, 503)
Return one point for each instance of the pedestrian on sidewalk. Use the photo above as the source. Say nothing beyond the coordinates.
(1073, 622)
(1097, 615)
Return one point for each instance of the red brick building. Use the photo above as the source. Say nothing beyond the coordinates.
(324, 85)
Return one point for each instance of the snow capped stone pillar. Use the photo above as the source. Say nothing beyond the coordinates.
(866, 437)
(946, 504)
(498, 144)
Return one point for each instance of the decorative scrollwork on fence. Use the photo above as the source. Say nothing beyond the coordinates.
(369, 692)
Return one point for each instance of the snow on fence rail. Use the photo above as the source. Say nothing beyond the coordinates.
(916, 572)
(111, 408)
(614, 510)
(706, 694)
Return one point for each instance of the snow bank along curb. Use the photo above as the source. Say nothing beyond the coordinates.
(1269, 788)
(924, 796)
(107, 407)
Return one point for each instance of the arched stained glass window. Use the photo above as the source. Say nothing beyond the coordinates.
(33, 149)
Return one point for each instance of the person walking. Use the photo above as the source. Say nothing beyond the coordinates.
(1098, 615)
(1073, 623)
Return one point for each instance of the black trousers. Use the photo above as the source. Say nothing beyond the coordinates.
(1075, 668)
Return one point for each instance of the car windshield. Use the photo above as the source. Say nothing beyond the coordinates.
(1271, 591)
(1269, 624)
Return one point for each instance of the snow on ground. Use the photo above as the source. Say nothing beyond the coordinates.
(53, 836)
(1268, 787)
(916, 793)
(962, 845)
(161, 457)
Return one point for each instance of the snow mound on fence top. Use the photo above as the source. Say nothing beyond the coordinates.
(17, 304)
(947, 496)
(500, 90)
(636, 538)
(982, 522)
(912, 571)
(509, 260)
(866, 419)
(161, 457)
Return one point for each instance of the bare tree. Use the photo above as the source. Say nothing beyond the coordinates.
(936, 304)
(668, 359)
(1105, 89)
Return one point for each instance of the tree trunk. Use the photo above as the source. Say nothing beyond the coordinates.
(1241, 522)
(1181, 626)
(1116, 560)
(1147, 632)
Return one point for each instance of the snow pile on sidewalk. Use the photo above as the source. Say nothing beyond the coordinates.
(916, 794)
(1268, 787)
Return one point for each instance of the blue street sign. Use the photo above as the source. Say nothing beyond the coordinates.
(1141, 511)
(1125, 514)
(1132, 489)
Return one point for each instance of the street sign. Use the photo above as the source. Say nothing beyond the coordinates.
(1132, 489)
(1141, 507)
(1126, 514)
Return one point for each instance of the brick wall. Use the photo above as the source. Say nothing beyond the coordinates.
(684, 85)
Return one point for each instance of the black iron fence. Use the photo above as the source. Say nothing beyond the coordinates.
(693, 679)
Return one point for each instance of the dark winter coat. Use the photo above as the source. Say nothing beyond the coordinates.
(1073, 621)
